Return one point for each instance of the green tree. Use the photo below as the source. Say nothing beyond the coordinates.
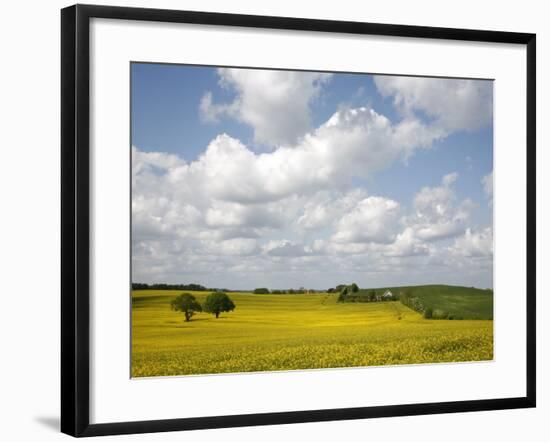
(405, 297)
(372, 296)
(216, 303)
(428, 313)
(354, 288)
(187, 304)
(343, 296)
(261, 291)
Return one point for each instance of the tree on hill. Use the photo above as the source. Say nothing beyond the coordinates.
(354, 288)
(261, 291)
(217, 303)
(343, 294)
(405, 297)
(187, 304)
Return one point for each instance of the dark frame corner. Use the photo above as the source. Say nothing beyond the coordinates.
(75, 228)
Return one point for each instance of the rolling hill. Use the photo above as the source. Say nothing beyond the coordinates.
(294, 332)
(457, 301)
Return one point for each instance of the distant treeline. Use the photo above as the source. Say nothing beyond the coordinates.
(201, 288)
(193, 287)
(352, 293)
(300, 291)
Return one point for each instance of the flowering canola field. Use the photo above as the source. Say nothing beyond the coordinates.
(294, 332)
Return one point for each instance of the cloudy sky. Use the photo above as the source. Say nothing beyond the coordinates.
(247, 178)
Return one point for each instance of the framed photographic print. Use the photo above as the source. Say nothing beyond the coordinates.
(280, 216)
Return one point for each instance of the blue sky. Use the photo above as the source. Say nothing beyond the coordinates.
(203, 138)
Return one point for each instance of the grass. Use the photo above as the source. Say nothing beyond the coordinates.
(288, 332)
(461, 302)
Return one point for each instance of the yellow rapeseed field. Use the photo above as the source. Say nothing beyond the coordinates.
(291, 332)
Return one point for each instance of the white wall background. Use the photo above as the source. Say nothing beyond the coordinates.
(29, 220)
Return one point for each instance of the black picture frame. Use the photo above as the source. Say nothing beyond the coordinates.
(75, 225)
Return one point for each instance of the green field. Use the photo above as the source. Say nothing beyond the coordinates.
(290, 332)
(461, 302)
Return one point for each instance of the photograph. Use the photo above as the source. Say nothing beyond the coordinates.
(286, 219)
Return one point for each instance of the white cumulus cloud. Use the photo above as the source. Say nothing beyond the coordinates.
(296, 211)
(353, 142)
(407, 244)
(284, 248)
(453, 104)
(487, 182)
(475, 244)
(372, 220)
(276, 104)
(438, 214)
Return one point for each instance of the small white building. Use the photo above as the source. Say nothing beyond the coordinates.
(387, 295)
